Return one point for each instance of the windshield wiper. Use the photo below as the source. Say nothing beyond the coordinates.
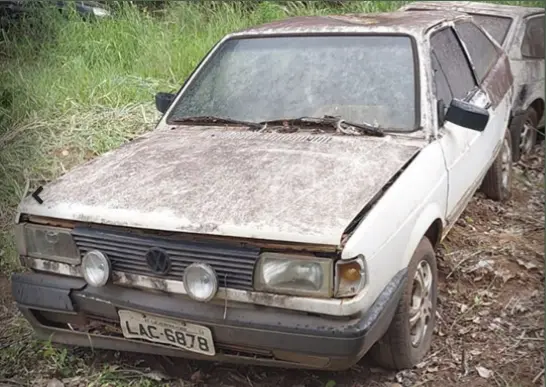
(342, 126)
(216, 120)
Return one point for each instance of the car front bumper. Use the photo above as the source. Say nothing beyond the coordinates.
(68, 311)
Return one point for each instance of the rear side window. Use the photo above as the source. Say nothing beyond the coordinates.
(452, 61)
(481, 50)
(496, 26)
(533, 41)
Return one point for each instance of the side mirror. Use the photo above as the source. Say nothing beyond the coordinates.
(163, 101)
(467, 115)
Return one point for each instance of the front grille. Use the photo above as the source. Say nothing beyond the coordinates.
(233, 264)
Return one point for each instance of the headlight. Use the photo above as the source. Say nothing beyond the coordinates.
(200, 282)
(96, 268)
(294, 275)
(350, 277)
(46, 242)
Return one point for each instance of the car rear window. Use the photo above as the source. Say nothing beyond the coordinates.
(533, 41)
(496, 26)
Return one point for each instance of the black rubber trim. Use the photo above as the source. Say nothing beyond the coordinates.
(467, 115)
(45, 292)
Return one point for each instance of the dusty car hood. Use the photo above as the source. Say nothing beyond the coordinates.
(298, 187)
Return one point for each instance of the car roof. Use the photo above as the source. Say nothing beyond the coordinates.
(476, 7)
(413, 23)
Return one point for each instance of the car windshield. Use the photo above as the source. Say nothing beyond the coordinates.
(364, 79)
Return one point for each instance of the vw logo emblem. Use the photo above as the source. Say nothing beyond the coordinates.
(158, 260)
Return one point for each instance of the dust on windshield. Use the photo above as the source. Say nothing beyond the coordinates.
(365, 78)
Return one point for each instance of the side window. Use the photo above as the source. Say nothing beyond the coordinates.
(533, 41)
(443, 91)
(452, 60)
(482, 51)
(497, 26)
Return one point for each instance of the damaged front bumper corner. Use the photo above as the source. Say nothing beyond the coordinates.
(68, 311)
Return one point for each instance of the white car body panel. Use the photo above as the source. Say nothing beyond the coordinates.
(391, 231)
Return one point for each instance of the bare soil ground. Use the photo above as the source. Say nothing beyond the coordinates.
(490, 320)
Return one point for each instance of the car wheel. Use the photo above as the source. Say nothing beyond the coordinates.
(528, 137)
(497, 184)
(409, 335)
(524, 133)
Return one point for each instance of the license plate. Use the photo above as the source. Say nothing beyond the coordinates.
(191, 337)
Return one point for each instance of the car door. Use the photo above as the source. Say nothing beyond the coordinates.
(453, 77)
(492, 73)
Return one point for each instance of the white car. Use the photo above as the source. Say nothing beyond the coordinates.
(520, 32)
(287, 207)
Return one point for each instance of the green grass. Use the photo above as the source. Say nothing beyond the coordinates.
(70, 90)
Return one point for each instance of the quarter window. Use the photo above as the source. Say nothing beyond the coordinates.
(452, 61)
(482, 51)
(533, 41)
(497, 26)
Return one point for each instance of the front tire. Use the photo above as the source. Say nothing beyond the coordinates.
(409, 335)
(497, 184)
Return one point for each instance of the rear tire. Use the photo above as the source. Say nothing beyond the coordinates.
(404, 345)
(497, 184)
(526, 134)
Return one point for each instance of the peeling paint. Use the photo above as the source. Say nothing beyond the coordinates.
(499, 80)
(327, 306)
(401, 22)
(51, 266)
(474, 7)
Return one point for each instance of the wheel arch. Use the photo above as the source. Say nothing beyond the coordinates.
(538, 105)
(429, 224)
(434, 232)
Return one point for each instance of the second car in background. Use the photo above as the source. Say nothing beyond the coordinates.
(520, 32)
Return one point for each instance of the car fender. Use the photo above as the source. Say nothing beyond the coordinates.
(526, 95)
(430, 214)
(418, 194)
(390, 231)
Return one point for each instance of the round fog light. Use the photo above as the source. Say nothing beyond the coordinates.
(200, 281)
(96, 268)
